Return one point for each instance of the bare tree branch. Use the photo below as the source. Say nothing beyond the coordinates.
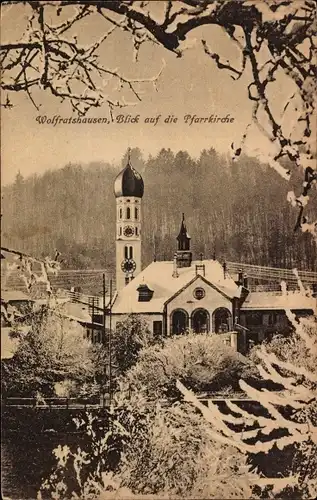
(49, 57)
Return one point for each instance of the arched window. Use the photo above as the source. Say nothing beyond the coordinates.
(126, 255)
(136, 213)
(120, 213)
(128, 213)
(136, 231)
(222, 320)
(201, 321)
(120, 231)
(130, 252)
(179, 322)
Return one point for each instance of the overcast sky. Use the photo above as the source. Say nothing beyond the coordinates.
(188, 85)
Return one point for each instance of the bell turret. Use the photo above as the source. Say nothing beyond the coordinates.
(183, 254)
(183, 237)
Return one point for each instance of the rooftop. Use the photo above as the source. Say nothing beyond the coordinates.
(158, 277)
(277, 301)
(14, 295)
(76, 311)
(129, 182)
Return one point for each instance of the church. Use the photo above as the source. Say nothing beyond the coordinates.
(186, 293)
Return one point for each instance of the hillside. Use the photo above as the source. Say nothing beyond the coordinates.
(237, 210)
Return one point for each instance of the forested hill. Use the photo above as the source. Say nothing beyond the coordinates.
(237, 210)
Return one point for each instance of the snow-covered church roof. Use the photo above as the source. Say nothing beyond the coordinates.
(158, 276)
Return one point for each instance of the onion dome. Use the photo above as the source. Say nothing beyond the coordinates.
(129, 182)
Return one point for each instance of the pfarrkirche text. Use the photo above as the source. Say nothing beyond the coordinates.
(126, 119)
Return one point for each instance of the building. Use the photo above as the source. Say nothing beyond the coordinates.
(17, 308)
(14, 303)
(185, 293)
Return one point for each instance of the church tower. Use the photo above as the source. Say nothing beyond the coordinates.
(128, 189)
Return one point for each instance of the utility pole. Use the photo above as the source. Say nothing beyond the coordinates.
(109, 346)
(104, 307)
(103, 324)
(92, 318)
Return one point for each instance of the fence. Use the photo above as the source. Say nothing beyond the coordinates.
(56, 403)
(95, 403)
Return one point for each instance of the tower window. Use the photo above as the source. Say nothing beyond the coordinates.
(136, 213)
(128, 213)
(137, 231)
(120, 213)
(128, 252)
(120, 231)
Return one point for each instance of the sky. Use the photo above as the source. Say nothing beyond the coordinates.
(190, 85)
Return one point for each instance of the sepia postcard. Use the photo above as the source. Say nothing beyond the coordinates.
(158, 249)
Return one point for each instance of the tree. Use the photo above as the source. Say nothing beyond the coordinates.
(286, 429)
(132, 335)
(276, 40)
(202, 362)
(53, 352)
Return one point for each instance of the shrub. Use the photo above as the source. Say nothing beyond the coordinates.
(203, 362)
(53, 351)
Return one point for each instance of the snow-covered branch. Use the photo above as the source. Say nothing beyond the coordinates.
(31, 269)
(276, 39)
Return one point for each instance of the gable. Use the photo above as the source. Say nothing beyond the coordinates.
(199, 292)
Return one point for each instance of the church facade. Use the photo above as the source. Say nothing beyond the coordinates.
(185, 293)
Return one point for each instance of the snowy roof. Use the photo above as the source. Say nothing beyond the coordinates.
(76, 311)
(158, 277)
(14, 295)
(277, 301)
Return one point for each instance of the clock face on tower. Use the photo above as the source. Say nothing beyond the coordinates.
(128, 265)
(128, 231)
